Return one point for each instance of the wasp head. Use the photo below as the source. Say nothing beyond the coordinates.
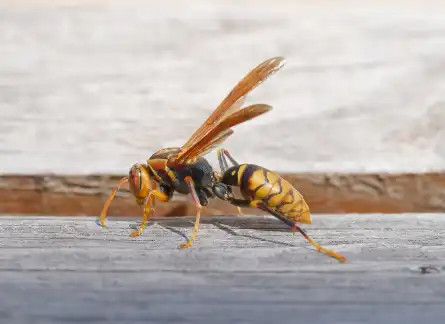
(139, 182)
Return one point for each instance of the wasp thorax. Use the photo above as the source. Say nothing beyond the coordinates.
(139, 181)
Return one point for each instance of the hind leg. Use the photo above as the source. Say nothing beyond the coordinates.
(294, 227)
(222, 154)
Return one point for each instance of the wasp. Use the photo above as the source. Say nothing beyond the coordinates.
(267, 191)
(184, 169)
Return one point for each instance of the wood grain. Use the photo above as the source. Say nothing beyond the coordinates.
(325, 193)
(239, 270)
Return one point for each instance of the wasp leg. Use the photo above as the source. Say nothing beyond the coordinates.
(239, 210)
(152, 207)
(229, 156)
(294, 227)
(261, 205)
(222, 154)
(198, 205)
(223, 165)
(154, 185)
(103, 214)
(148, 210)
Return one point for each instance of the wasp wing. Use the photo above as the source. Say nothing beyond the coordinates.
(214, 143)
(234, 100)
(217, 134)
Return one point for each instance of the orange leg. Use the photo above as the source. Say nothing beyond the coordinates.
(294, 228)
(154, 187)
(261, 205)
(148, 209)
(195, 198)
(103, 214)
(331, 253)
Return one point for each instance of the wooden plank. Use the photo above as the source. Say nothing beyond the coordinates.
(325, 193)
(240, 270)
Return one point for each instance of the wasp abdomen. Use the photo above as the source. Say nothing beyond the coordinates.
(257, 183)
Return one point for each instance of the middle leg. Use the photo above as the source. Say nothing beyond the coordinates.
(195, 197)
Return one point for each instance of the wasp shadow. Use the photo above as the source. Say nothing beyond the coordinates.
(234, 233)
(261, 223)
(227, 223)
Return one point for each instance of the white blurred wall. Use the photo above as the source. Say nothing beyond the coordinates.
(95, 88)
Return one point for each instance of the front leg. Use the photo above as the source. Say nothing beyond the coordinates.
(164, 195)
(103, 214)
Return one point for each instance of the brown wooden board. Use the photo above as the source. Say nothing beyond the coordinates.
(325, 193)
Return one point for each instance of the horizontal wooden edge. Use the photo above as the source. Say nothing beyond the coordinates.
(85, 195)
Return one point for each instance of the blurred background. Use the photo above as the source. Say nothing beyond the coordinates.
(87, 88)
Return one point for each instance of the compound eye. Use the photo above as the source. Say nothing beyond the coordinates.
(139, 181)
(135, 179)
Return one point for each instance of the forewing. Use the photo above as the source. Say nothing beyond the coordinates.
(211, 145)
(235, 99)
(234, 119)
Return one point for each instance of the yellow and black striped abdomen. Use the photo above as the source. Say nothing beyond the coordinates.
(257, 183)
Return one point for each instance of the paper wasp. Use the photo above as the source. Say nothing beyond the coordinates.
(266, 190)
(184, 169)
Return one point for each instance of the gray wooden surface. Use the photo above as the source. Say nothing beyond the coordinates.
(240, 270)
